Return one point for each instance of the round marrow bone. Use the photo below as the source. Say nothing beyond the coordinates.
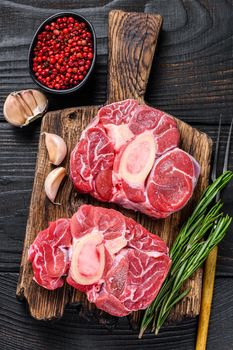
(88, 259)
(138, 159)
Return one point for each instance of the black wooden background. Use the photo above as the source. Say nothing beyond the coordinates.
(191, 78)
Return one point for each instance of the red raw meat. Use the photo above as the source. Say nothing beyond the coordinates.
(129, 155)
(114, 260)
(49, 254)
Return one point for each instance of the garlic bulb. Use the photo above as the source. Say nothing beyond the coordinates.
(23, 107)
(53, 181)
(56, 148)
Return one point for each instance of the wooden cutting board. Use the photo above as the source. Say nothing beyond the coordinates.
(132, 42)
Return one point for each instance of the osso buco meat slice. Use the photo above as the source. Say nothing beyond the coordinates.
(129, 155)
(114, 260)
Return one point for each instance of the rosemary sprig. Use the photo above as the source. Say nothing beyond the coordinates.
(204, 229)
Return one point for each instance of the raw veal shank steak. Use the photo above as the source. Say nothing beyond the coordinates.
(114, 260)
(129, 155)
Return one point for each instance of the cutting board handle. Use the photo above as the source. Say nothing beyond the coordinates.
(132, 40)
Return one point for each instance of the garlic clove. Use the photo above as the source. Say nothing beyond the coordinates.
(52, 183)
(56, 148)
(23, 107)
(28, 98)
(13, 111)
(41, 101)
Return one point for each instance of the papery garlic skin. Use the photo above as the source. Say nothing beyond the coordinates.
(23, 107)
(56, 148)
(27, 96)
(52, 183)
(41, 101)
(11, 110)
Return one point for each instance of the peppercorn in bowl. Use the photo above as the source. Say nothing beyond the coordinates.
(62, 53)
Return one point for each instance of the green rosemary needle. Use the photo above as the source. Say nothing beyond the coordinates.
(204, 229)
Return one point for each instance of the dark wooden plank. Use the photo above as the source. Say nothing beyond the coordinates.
(19, 331)
(17, 158)
(191, 76)
(194, 56)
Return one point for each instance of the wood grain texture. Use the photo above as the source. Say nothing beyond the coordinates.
(18, 159)
(134, 55)
(18, 331)
(132, 41)
(191, 78)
